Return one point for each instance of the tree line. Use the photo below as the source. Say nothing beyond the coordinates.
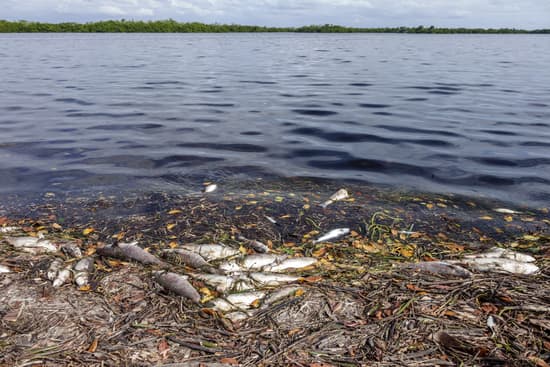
(172, 26)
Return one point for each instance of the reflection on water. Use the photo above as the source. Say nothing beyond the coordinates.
(450, 113)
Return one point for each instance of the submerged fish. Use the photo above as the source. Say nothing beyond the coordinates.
(294, 263)
(498, 252)
(212, 251)
(335, 233)
(129, 251)
(33, 245)
(255, 245)
(338, 195)
(177, 284)
(82, 269)
(271, 279)
(189, 258)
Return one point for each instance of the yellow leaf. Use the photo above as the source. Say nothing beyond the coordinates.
(429, 206)
(206, 291)
(170, 226)
(306, 206)
(87, 231)
(174, 211)
(299, 292)
(285, 216)
(92, 348)
(528, 237)
(508, 218)
(90, 251)
(56, 226)
(85, 288)
(486, 217)
(256, 303)
(320, 252)
(173, 244)
(239, 207)
(279, 199)
(441, 205)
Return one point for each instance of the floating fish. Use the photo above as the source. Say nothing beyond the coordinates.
(505, 211)
(177, 284)
(33, 245)
(82, 270)
(210, 188)
(4, 269)
(63, 276)
(212, 251)
(129, 251)
(280, 294)
(338, 195)
(252, 262)
(497, 264)
(189, 258)
(498, 252)
(440, 268)
(271, 279)
(54, 269)
(335, 233)
(294, 263)
(253, 244)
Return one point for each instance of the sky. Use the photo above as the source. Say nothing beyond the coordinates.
(526, 14)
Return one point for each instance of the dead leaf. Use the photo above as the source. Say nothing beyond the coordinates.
(170, 226)
(93, 347)
(163, 348)
(87, 231)
(538, 361)
(231, 361)
(174, 211)
(57, 226)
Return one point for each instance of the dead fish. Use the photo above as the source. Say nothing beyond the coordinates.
(498, 252)
(8, 229)
(335, 233)
(238, 301)
(222, 283)
(252, 262)
(63, 276)
(253, 244)
(71, 249)
(129, 251)
(53, 269)
(177, 284)
(4, 269)
(189, 258)
(33, 245)
(210, 188)
(237, 316)
(82, 269)
(498, 264)
(294, 263)
(271, 279)
(212, 251)
(505, 211)
(440, 268)
(280, 294)
(338, 195)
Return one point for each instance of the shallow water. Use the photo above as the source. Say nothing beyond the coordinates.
(466, 114)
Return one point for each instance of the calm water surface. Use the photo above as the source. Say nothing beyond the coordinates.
(466, 114)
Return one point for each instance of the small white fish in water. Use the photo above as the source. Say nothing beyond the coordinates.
(505, 211)
(63, 276)
(222, 283)
(210, 188)
(338, 195)
(82, 269)
(271, 279)
(335, 233)
(255, 245)
(280, 294)
(177, 284)
(498, 252)
(33, 245)
(498, 264)
(53, 269)
(294, 263)
(4, 269)
(212, 251)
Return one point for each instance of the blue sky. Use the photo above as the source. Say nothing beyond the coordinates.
(528, 14)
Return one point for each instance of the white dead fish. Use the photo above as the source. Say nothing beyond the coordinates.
(273, 279)
(33, 245)
(280, 294)
(82, 269)
(8, 229)
(331, 235)
(221, 304)
(440, 268)
(4, 269)
(128, 251)
(505, 211)
(338, 195)
(498, 252)
(237, 316)
(252, 262)
(53, 269)
(294, 263)
(253, 244)
(212, 251)
(177, 284)
(63, 276)
(210, 188)
(189, 258)
(222, 283)
(245, 300)
(498, 264)
(71, 249)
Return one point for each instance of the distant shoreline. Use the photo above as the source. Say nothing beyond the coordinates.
(172, 26)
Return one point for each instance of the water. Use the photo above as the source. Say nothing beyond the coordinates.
(467, 114)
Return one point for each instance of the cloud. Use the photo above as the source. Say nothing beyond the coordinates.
(467, 13)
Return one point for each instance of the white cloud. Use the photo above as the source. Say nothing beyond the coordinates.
(111, 10)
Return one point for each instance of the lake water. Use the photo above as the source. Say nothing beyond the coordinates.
(467, 114)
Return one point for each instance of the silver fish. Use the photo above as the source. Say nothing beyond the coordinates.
(335, 233)
(82, 269)
(33, 245)
(63, 276)
(177, 284)
(294, 263)
(440, 268)
(252, 262)
(255, 245)
(129, 251)
(271, 279)
(498, 252)
(222, 283)
(498, 264)
(280, 294)
(212, 251)
(189, 258)
(53, 269)
(244, 300)
(338, 195)
(505, 211)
